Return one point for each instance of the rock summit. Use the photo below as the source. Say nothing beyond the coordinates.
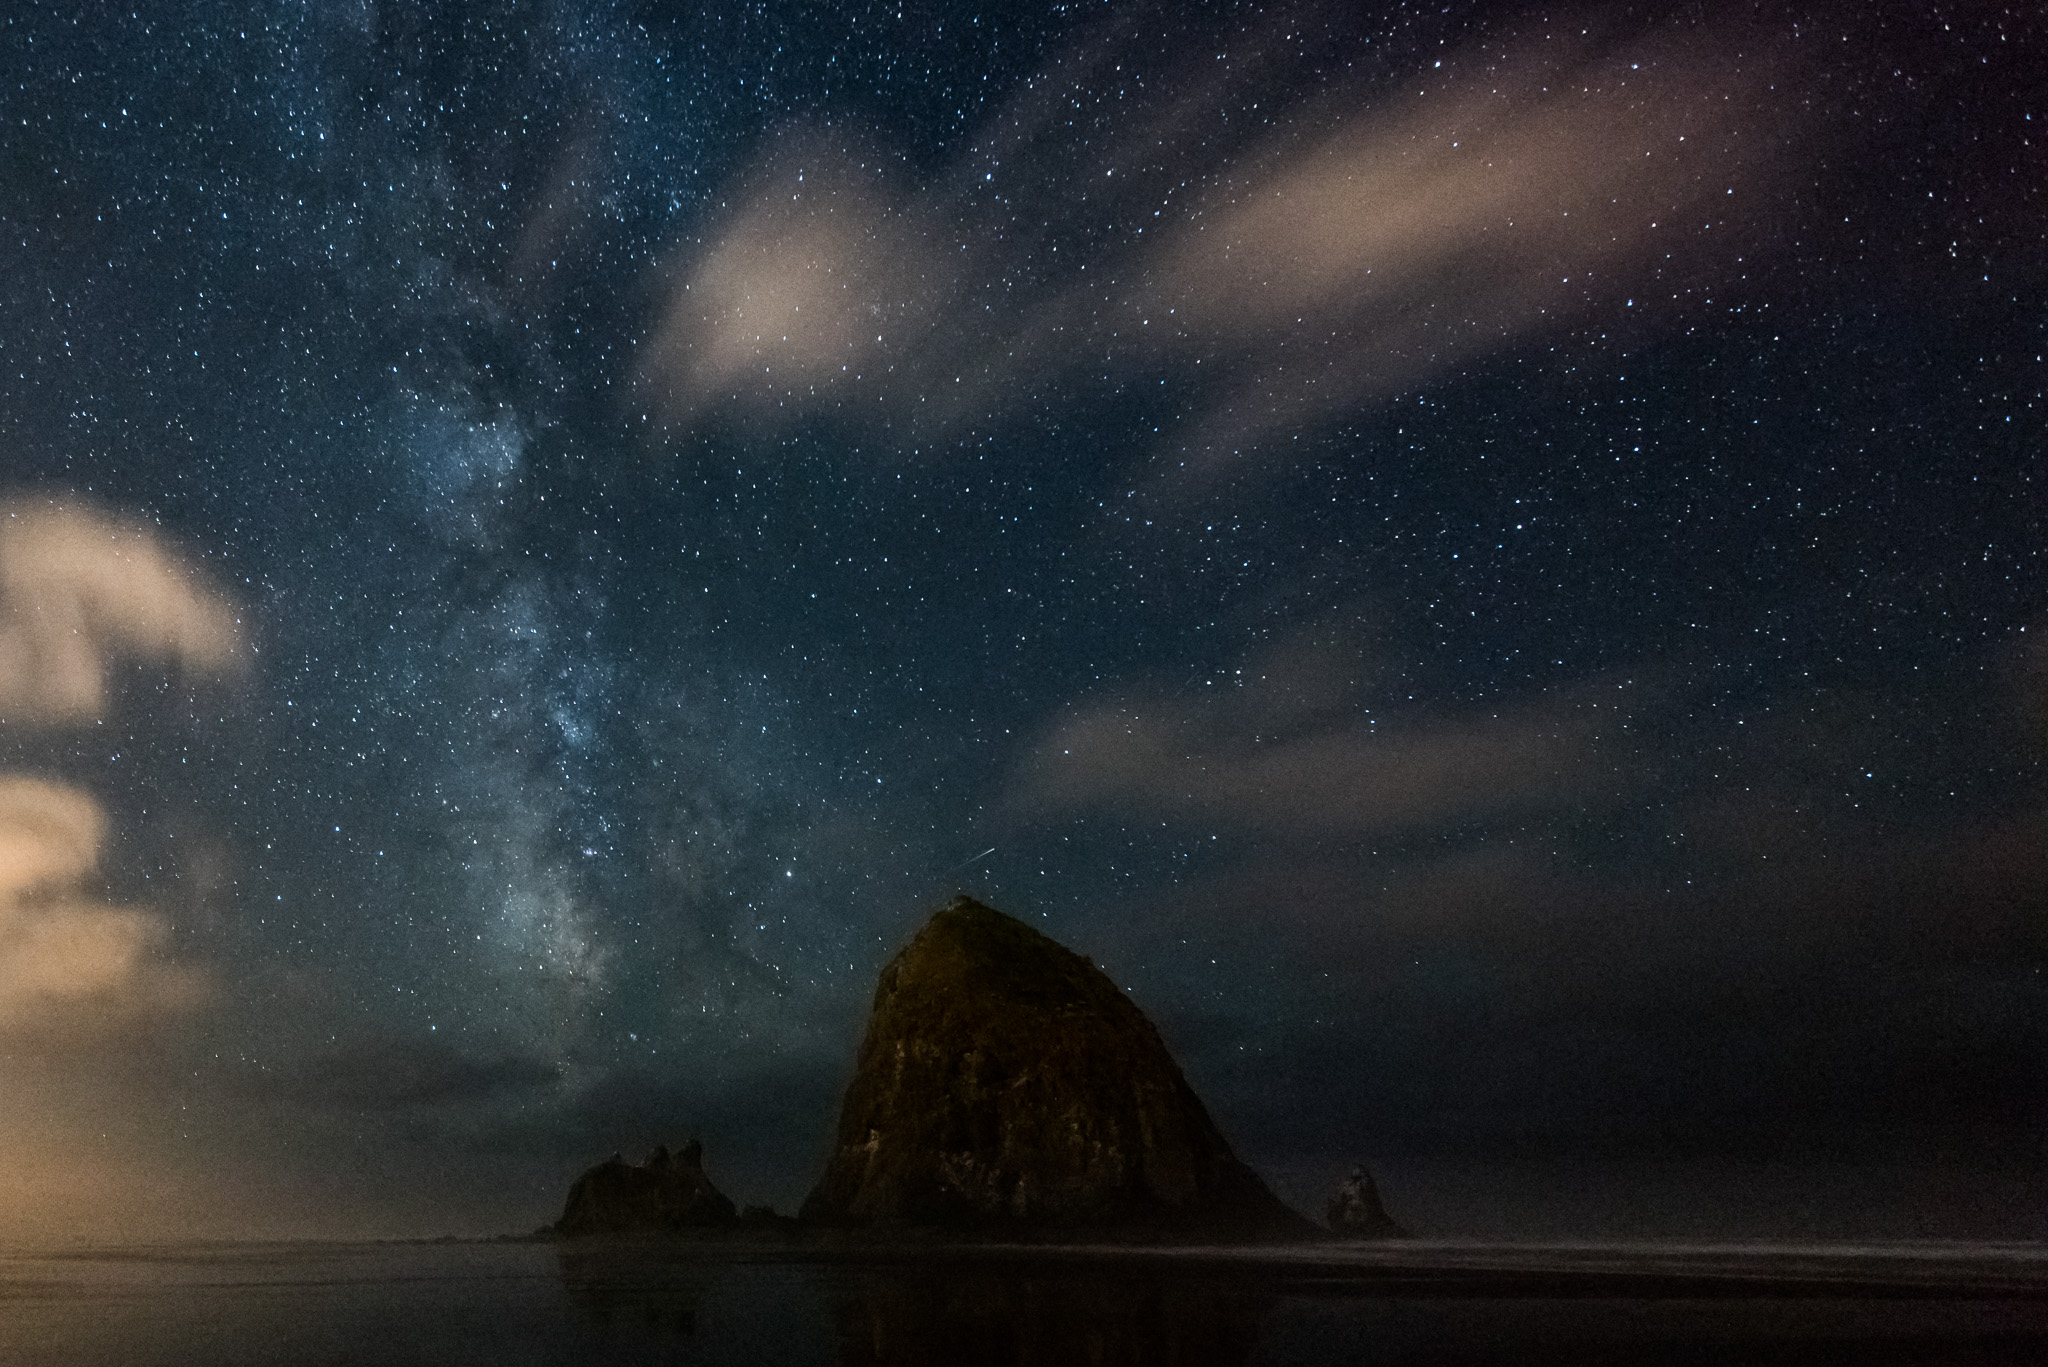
(1006, 1086)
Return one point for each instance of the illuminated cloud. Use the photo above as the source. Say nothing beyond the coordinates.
(1371, 240)
(79, 589)
(817, 273)
(60, 948)
(49, 836)
(1454, 217)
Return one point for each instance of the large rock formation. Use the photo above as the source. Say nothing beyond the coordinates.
(1006, 1086)
(667, 1194)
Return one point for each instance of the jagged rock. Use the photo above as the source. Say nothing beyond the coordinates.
(666, 1194)
(1005, 1085)
(1355, 1210)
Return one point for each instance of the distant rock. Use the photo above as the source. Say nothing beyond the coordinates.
(667, 1194)
(1006, 1086)
(1355, 1210)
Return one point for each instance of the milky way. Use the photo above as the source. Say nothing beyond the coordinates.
(1486, 568)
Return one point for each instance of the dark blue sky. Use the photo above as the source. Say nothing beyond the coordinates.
(1486, 567)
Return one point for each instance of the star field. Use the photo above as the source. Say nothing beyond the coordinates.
(1487, 568)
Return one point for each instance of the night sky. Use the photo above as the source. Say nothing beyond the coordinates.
(1487, 565)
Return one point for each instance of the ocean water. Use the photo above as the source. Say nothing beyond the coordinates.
(1420, 1302)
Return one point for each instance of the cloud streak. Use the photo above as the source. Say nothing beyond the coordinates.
(1284, 748)
(1158, 759)
(1453, 217)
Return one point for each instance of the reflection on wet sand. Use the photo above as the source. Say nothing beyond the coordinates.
(928, 1311)
(721, 1300)
(633, 1290)
(914, 1316)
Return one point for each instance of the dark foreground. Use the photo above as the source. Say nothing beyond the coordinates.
(1421, 1302)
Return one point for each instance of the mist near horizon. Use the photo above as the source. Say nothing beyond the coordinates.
(1486, 568)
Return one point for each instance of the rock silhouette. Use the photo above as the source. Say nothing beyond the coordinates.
(667, 1194)
(1006, 1086)
(1355, 1210)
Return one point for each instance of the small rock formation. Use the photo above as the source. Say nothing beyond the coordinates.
(1007, 1087)
(1355, 1210)
(667, 1194)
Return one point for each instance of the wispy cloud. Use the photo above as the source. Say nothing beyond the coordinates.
(1158, 759)
(1453, 216)
(821, 269)
(91, 992)
(80, 589)
(60, 947)
(1281, 748)
(1351, 246)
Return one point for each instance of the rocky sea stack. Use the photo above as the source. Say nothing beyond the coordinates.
(1355, 1211)
(1007, 1087)
(668, 1194)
